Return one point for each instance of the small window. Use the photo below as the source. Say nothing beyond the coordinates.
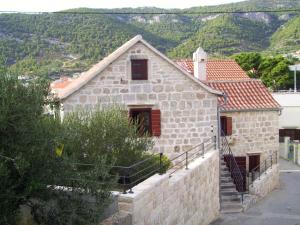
(226, 126)
(139, 69)
(142, 117)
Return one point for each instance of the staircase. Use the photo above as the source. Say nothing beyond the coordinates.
(230, 197)
(231, 181)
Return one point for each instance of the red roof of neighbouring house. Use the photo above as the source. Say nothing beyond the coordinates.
(245, 95)
(226, 69)
(243, 92)
(61, 83)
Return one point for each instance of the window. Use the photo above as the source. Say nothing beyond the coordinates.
(142, 117)
(147, 120)
(139, 69)
(226, 126)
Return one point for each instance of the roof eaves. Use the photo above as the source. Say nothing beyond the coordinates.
(250, 109)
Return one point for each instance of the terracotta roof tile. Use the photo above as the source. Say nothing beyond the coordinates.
(245, 95)
(61, 83)
(217, 69)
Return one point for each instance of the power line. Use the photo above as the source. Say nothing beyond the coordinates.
(158, 13)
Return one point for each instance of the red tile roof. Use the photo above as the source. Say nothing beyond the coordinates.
(244, 95)
(226, 69)
(61, 83)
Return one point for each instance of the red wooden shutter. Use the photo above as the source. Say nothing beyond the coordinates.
(155, 122)
(228, 126)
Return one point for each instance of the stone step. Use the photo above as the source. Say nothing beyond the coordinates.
(225, 175)
(226, 179)
(229, 191)
(232, 209)
(228, 185)
(233, 204)
(230, 198)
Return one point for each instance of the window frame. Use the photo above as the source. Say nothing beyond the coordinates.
(145, 75)
(225, 129)
(149, 110)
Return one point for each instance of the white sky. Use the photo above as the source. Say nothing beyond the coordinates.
(55, 5)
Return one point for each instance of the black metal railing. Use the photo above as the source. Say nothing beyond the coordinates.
(236, 172)
(129, 176)
(262, 168)
(183, 159)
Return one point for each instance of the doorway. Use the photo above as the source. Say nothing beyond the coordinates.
(254, 162)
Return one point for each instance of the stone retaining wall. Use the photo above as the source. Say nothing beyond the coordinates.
(189, 197)
(267, 182)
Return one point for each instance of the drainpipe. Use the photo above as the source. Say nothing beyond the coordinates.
(224, 95)
(295, 80)
(219, 135)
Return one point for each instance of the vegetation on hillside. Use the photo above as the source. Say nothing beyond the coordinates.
(69, 42)
(287, 37)
(226, 35)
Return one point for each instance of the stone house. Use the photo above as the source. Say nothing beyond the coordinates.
(177, 109)
(248, 117)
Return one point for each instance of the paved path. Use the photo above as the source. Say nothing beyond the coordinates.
(281, 207)
(287, 165)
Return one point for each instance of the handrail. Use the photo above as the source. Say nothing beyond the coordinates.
(256, 172)
(200, 149)
(234, 169)
(129, 176)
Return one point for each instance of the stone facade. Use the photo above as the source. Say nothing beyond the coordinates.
(188, 197)
(254, 132)
(188, 111)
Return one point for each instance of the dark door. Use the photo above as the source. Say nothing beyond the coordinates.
(254, 161)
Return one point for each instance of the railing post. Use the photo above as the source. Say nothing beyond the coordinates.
(128, 176)
(124, 183)
(271, 161)
(160, 163)
(202, 150)
(215, 142)
(265, 166)
(186, 160)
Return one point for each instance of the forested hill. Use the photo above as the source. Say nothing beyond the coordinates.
(70, 42)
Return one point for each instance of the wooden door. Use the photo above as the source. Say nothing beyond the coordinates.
(254, 161)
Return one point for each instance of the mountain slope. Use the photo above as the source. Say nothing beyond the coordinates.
(287, 37)
(70, 42)
(226, 35)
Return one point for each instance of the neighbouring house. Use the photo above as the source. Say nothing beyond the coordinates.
(177, 109)
(289, 120)
(249, 117)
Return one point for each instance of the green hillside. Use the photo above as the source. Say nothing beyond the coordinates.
(226, 35)
(287, 37)
(68, 43)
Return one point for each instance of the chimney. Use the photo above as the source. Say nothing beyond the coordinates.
(200, 60)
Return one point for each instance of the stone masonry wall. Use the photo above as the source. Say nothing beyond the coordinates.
(189, 197)
(187, 110)
(254, 132)
(267, 182)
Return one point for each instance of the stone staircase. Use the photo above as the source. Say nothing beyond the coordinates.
(230, 198)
